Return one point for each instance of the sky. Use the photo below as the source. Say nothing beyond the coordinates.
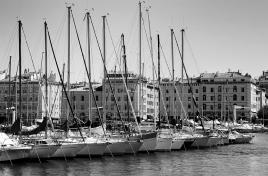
(220, 35)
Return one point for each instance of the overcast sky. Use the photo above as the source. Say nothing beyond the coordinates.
(220, 34)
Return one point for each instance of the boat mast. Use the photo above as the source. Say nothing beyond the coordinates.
(159, 92)
(104, 65)
(20, 96)
(125, 69)
(9, 89)
(153, 68)
(140, 80)
(89, 68)
(46, 99)
(182, 60)
(172, 58)
(68, 64)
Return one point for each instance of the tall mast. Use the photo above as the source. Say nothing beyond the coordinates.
(172, 58)
(182, 60)
(125, 69)
(46, 99)
(139, 91)
(20, 97)
(9, 89)
(104, 63)
(89, 67)
(153, 68)
(159, 92)
(68, 63)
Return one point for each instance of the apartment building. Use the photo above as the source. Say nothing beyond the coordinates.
(33, 98)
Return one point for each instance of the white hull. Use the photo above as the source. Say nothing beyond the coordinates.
(14, 153)
(94, 149)
(116, 148)
(163, 144)
(43, 151)
(148, 145)
(133, 147)
(177, 144)
(200, 142)
(68, 150)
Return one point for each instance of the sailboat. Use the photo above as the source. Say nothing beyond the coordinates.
(11, 149)
(164, 138)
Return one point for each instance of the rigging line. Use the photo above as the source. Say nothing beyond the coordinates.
(124, 82)
(191, 49)
(59, 32)
(160, 89)
(10, 42)
(165, 59)
(63, 86)
(105, 69)
(191, 90)
(113, 53)
(31, 57)
(39, 82)
(134, 21)
(91, 87)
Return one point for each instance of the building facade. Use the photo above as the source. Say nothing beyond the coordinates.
(33, 98)
(143, 96)
(80, 104)
(215, 95)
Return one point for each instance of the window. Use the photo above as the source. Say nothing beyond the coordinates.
(189, 90)
(204, 106)
(82, 98)
(73, 98)
(97, 98)
(167, 98)
(204, 89)
(167, 91)
(242, 89)
(211, 89)
(211, 107)
(119, 98)
(204, 98)
(234, 97)
(219, 106)
(219, 97)
(242, 98)
(82, 107)
(189, 106)
(196, 98)
(234, 89)
(219, 88)
(196, 90)
(212, 98)
(131, 98)
(174, 90)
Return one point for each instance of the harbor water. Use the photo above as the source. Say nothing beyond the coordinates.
(244, 159)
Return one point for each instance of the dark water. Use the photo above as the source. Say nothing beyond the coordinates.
(247, 159)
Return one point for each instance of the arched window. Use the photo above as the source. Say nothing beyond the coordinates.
(235, 89)
(204, 106)
(204, 89)
(234, 97)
